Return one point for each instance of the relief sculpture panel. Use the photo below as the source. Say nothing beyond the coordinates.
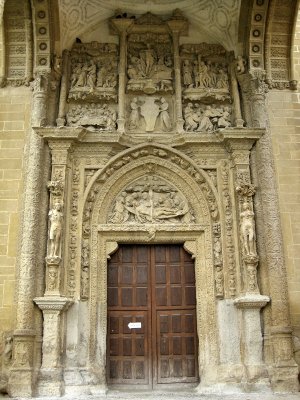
(150, 63)
(150, 200)
(205, 87)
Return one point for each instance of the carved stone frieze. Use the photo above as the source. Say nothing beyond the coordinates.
(207, 118)
(102, 117)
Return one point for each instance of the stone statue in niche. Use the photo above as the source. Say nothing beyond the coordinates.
(149, 63)
(55, 229)
(247, 226)
(206, 118)
(93, 71)
(204, 69)
(94, 116)
(150, 200)
(149, 114)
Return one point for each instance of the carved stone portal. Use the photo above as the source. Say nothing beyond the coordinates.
(149, 177)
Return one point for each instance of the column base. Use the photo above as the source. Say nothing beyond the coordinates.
(284, 378)
(82, 381)
(21, 383)
(50, 383)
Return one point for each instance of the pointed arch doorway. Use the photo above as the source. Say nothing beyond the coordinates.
(152, 333)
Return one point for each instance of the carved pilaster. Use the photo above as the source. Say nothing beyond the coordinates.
(59, 151)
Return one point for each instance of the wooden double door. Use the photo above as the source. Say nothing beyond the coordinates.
(152, 336)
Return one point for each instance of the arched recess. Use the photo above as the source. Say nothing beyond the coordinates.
(268, 39)
(29, 32)
(103, 237)
(17, 39)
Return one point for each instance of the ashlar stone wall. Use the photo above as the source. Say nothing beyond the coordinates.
(15, 108)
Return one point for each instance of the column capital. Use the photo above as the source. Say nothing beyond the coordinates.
(51, 303)
(121, 25)
(251, 301)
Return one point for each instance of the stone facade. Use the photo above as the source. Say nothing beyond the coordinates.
(146, 134)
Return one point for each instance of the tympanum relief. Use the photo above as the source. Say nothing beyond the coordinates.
(150, 200)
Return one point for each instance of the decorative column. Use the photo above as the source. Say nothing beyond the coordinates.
(53, 303)
(61, 120)
(121, 25)
(283, 370)
(22, 380)
(237, 67)
(177, 26)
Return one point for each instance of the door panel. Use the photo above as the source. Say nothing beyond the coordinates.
(152, 337)
(176, 347)
(128, 348)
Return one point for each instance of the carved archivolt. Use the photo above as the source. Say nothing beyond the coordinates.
(146, 186)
